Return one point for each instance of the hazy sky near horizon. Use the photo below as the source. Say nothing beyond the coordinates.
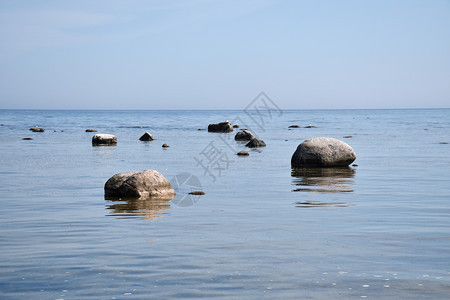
(220, 54)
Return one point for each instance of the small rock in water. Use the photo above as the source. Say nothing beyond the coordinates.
(91, 130)
(243, 135)
(201, 129)
(443, 143)
(220, 127)
(197, 193)
(165, 146)
(37, 129)
(294, 126)
(27, 139)
(104, 139)
(355, 165)
(310, 126)
(243, 153)
(255, 143)
(146, 137)
(347, 137)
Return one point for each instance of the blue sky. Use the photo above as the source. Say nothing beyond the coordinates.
(214, 54)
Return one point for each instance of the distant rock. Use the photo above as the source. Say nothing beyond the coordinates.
(347, 137)
(243, 153)
(236, 126)
(104, 139)
(165, 146)
(220, 127)
(143, 184)
(91, 130)
(323, 152)
(310, 126)
(201, 129)
(294, 126)
(27, 139)
(197, 193)
(243, 135)
(255, 143)
(146, 137)
(37, 129)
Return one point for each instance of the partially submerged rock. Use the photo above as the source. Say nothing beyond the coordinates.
(220, 127)
(310, 126)
(104, 139)
(198, 193)
(143, 184)
(146, 137)
(91, 130)
(323, 152)
(294, 126)
(165, 146)
(243, 153)
(37, 129)
(255, 143)
(27, 139)
(243, 135)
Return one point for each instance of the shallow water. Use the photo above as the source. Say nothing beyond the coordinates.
(378, 230)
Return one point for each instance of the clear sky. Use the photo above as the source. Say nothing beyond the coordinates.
(219, 54)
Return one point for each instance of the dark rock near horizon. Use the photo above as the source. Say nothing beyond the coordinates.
(27, 139)
(235, 126)
(165, 146)
(91, 130)
(347, 137)
(37, 129)
(143, 184)
(243, 153)
(255, 143)
(220, 127)
(243, 135)
(310, 126)
(104, 139)
(294, 126)
(146, 137)
(201, 129)
(323, 152)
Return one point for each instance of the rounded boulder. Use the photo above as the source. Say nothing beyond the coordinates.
(104, 139)
(142, 184)
(323, 152)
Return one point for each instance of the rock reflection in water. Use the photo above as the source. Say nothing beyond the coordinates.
(323, 181)
(148, 209)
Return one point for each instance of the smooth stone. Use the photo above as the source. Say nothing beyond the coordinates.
(37, 129)
(243, 135)
(323, 152)
(220, 127)
(143, 184)
(294, 126)
(255, 143)
(91, 130)
(243, 153)
(104, 139)
(27, 139)
(197, 193)
(165, 146)
(146, 137)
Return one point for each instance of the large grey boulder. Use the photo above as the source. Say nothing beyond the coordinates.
(220, 127)
(323, 152)
(255, 143)
(104, 139)
(143, 184)
(243, 135)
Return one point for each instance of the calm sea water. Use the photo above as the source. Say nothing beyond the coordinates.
(379, 230)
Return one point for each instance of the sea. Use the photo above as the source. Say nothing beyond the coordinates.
(379, 229)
